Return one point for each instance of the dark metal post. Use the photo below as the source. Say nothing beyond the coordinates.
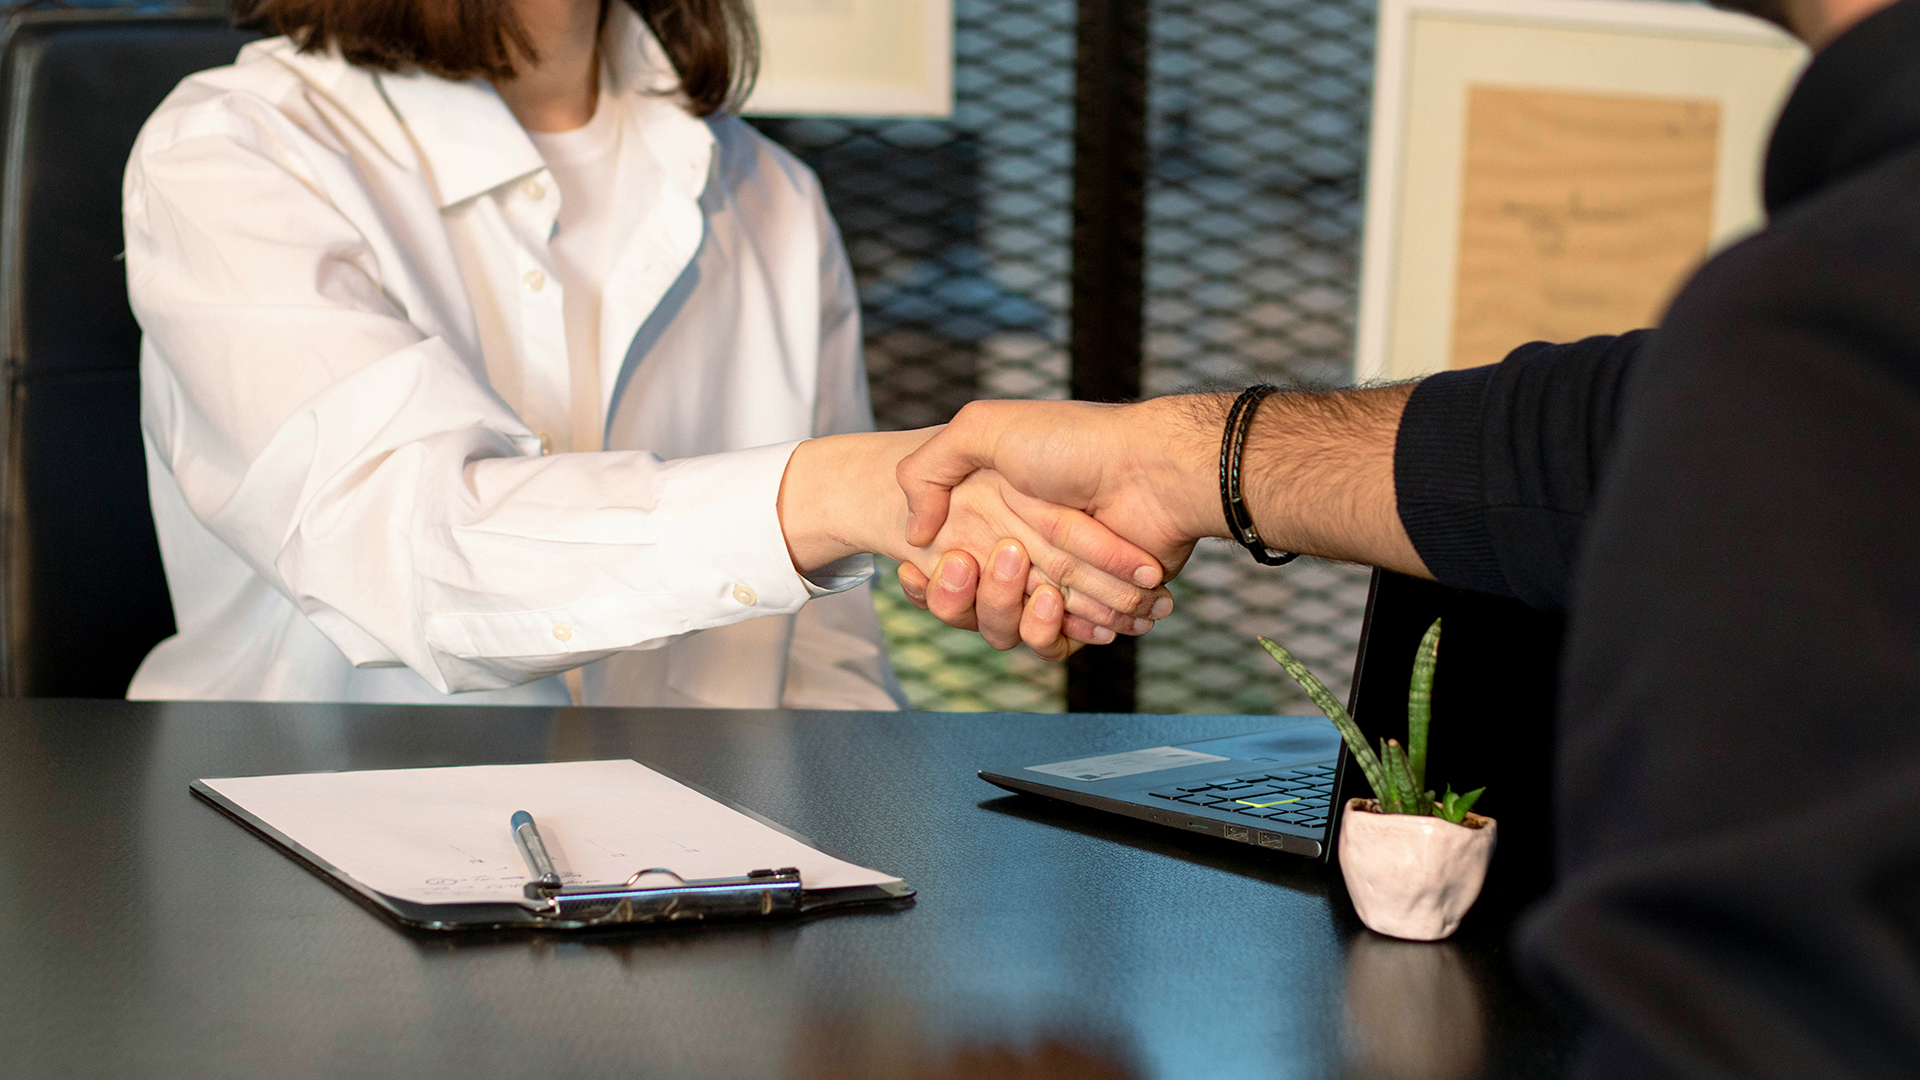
(1108, 277)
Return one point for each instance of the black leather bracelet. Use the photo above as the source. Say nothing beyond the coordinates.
(1232, 444)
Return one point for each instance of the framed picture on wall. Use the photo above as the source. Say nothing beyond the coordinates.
(1550, 169)
(854, 58)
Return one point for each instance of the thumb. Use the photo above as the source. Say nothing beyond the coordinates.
(929, 474)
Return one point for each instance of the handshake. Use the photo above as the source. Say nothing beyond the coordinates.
(1058, 523)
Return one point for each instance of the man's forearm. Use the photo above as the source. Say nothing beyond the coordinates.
(1317, 471)
(1318, 475)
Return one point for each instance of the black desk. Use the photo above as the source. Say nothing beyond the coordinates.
(146, 935)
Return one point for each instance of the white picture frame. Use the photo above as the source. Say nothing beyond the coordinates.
(891, 58)
(1430, 52)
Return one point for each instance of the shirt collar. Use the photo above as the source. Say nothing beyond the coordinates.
(1857, 102)
(469, 139)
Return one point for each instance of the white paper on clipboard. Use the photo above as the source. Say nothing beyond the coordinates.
(440, 836)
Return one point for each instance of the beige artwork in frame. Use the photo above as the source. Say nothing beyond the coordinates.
(1550, 169)
(854, 58)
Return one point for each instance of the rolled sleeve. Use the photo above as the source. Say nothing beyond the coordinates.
(1496, 468)
(1438, 483)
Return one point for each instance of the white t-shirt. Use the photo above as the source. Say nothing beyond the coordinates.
(584, 164)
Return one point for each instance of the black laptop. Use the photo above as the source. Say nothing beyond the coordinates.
(1277, 785)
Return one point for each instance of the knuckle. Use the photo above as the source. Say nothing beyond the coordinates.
(1059, 529)
(972, 413)
(1061, 568)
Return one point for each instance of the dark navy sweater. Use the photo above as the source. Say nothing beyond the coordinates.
(1728, 509)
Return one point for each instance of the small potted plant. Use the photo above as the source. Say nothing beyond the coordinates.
(1413, 863)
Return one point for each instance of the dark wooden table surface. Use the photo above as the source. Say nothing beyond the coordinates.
(146, 935)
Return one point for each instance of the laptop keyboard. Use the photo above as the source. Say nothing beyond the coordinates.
(1293, 797)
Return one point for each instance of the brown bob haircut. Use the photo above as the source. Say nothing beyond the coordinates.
(712, 43)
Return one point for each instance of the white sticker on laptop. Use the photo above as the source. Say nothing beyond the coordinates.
(1127, 764)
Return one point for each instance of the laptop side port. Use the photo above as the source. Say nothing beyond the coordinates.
(1296, 845)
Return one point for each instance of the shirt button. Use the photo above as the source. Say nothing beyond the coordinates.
(535, 280)
(535, 190)
(745, 595)
(562, 632)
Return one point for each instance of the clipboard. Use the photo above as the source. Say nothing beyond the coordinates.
(642, 900)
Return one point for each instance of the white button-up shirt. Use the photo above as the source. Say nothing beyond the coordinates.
(355, 360)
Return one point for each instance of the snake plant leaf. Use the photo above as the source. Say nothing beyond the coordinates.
(1420, 704)
(1402, 776)
(1363, 755)
(1466, 801)
(1395, 800)
(1454, 806)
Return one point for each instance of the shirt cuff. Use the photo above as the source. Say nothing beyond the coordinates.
(723, 531)
(1439, 485)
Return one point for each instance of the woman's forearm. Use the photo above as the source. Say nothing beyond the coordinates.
(839, 498)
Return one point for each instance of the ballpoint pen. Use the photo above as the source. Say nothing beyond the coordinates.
(527, 836)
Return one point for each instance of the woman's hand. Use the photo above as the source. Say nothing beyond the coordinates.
(1004, 614)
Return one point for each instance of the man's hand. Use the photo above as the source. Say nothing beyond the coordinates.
(1136, 464)
(1145, 467)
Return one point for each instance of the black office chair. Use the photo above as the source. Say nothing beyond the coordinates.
(82, 597)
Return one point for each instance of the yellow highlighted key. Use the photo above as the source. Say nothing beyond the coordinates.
(1264, 805)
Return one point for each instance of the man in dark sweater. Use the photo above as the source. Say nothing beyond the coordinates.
(1728, 507)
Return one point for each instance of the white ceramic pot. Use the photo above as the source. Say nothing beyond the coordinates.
(1410, 876)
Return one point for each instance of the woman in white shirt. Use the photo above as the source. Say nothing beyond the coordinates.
(484, 355)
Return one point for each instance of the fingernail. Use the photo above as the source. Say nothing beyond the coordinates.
(1046, 604)
(953, 574)
(1141, 626)
(1146, 577)
(1102, 635)
(1006, 563)
(1163, 607)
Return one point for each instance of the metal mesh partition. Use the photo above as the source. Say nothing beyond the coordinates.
(959, 235)
(1257, 143)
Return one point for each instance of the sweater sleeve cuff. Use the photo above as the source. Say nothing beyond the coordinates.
(1438, 484)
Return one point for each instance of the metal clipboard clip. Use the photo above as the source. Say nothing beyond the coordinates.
(760, 894)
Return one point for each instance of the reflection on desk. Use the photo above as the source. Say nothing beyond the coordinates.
(1412, 1011)
(149, 936)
